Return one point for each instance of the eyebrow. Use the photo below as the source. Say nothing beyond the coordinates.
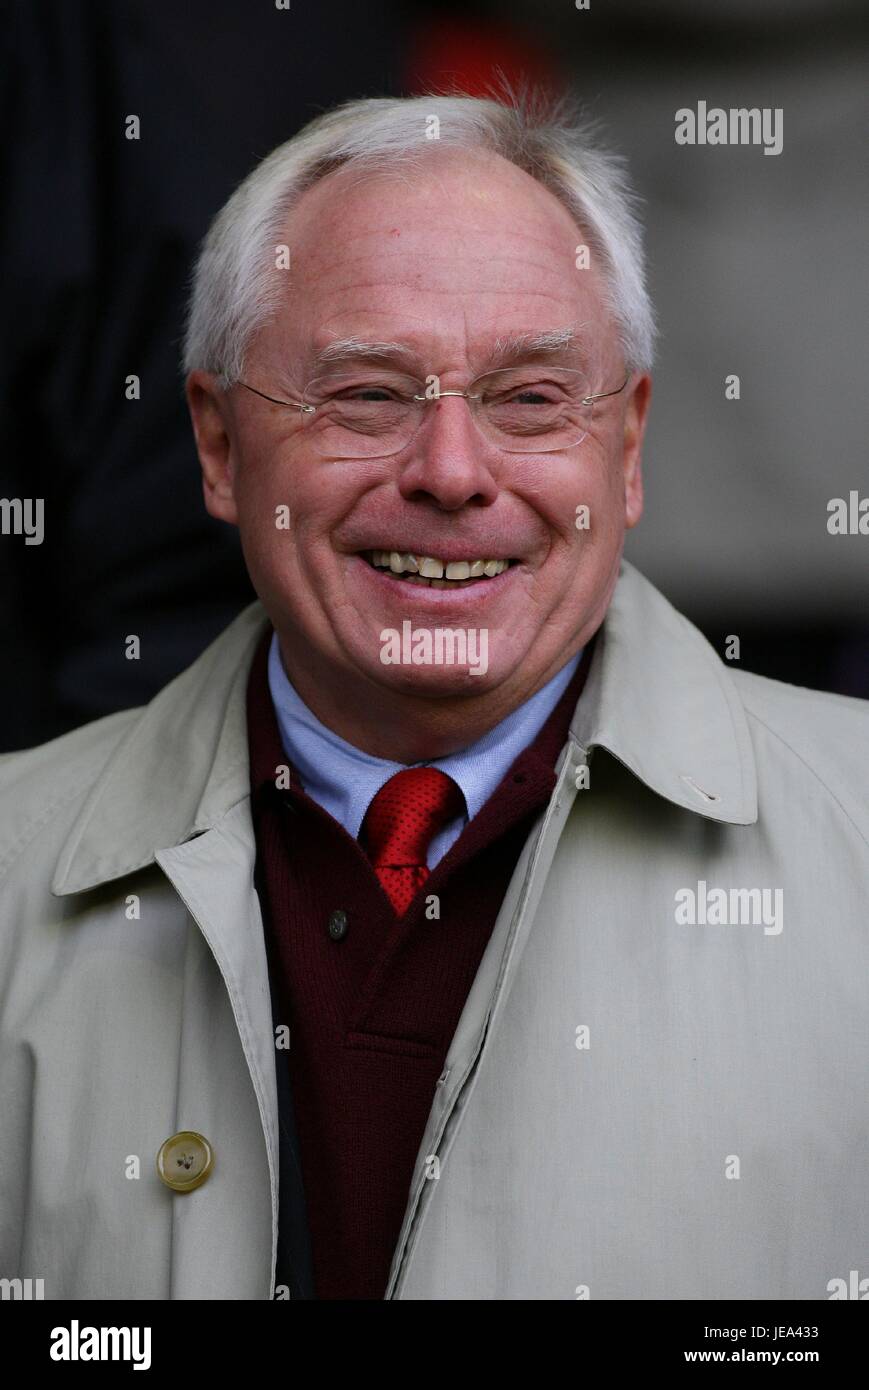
(353, 349)
(554, 342)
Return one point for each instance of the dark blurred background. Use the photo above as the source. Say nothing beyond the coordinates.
(757, 268)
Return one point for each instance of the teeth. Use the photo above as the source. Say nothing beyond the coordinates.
(399, 564)
(438, 572)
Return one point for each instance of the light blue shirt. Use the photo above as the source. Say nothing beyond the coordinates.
(343, 779)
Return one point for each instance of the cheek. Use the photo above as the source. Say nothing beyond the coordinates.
(267, 514)
(601, 484)
(288, 512)
(577, 503)
(271, 498)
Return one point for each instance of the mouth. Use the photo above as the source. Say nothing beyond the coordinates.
(433, 572)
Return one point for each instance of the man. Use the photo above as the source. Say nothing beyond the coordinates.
(459, 925)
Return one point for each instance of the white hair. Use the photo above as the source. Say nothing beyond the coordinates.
(236, 287)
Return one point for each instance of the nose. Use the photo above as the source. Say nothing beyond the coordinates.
(449, 461)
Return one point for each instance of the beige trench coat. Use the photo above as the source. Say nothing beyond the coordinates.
(658, 1085)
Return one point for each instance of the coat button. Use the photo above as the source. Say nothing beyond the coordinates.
(185, 1160)
(338, 924)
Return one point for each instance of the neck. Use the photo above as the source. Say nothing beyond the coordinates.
(407, 728)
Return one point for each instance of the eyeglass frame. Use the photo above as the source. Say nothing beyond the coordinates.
(311, 409)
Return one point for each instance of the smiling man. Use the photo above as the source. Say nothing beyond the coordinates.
(360, 963)
(424, 279)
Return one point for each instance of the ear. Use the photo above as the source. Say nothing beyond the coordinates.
(636, 414)
(212, 429)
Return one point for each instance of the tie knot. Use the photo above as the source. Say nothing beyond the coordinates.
(406, 814)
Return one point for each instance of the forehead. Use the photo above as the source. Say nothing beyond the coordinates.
(447, 256)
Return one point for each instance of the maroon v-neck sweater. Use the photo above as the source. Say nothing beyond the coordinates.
(372, 1001)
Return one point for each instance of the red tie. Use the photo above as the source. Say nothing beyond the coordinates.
(400, 824)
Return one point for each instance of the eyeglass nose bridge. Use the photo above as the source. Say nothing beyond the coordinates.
(467, 395)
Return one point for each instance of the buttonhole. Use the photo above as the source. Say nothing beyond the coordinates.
(707, 796)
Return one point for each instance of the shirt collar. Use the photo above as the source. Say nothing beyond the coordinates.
(343, 779)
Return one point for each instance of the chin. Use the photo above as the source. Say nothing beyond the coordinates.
(434, 682)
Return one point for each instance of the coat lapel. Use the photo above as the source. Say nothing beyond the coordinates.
(175, 792)
(213, 874)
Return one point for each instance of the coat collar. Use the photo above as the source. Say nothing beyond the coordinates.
(657, 697)
(660, 699)
(180, 767)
